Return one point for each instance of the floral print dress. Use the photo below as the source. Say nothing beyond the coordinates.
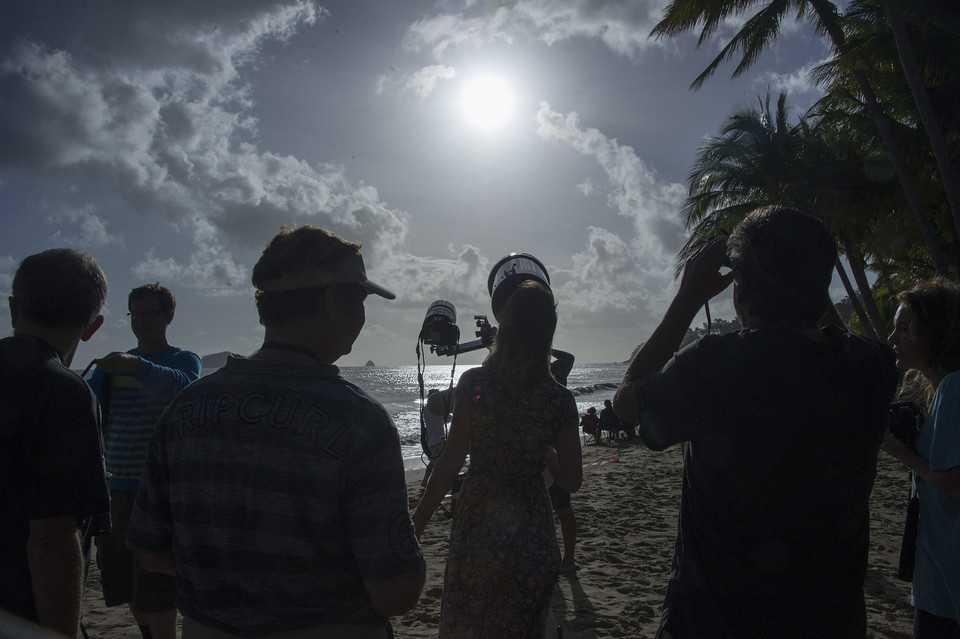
(504, 557)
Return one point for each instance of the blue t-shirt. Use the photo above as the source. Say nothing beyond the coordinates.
(936, 575)
(136, 402)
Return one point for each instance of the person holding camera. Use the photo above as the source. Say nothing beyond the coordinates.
(780, 423)
(515, 419)
(925, 339)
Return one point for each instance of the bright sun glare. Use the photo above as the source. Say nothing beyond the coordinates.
(487, 102)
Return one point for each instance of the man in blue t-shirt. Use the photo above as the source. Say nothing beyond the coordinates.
(143, 382)
(51, 458)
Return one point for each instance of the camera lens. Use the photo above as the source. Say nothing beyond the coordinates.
(440, 324)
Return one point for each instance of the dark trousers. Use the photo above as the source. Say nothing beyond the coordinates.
(928, 626)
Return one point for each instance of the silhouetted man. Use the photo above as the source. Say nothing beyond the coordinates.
(51, 459)
(781, 423)
(274, 489)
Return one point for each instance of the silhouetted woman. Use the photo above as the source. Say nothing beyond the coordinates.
(515, 420)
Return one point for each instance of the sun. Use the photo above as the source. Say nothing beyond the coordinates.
(487, 102)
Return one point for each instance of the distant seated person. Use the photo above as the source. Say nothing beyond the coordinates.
(609, 422)
(591, 424)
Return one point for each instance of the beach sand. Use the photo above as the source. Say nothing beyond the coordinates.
(627, 512)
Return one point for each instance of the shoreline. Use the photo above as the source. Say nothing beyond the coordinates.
(627, 514)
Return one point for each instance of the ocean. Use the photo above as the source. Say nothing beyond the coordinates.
(397, 388)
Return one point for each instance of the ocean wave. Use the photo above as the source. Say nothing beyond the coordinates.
(602, 386)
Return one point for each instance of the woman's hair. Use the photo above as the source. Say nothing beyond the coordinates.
(935, 306)
(521, 351)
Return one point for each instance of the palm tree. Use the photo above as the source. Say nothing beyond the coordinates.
(872, 47)
(757, 32)
(761, 159)
(914, 78)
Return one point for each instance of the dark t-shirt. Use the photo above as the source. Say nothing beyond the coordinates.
(51, 458)
(782, 435)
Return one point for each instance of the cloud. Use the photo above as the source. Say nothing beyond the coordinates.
(622, 26)
(460, 278)
(797, 84)
(444, 31)
(164, 121)
(210, 267)
(424, 81)
(91, 230)
(613, 278)
(8, 266)
(606, 288)
(634, 193)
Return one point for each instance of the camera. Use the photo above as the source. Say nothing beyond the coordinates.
(441, 333)
(439, 329)
(440, 325)
(903, 423)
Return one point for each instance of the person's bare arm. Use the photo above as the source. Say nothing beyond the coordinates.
(701, 281)
(162, 562)
(119, 363)
(562, 364)
(397, 596)
(946, 480)
(56, 572)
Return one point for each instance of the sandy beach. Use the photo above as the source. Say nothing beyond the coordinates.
(627, 512)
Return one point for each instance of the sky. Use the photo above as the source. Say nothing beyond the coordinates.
(172, 140)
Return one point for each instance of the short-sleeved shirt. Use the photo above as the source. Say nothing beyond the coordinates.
(936, 575)
(279, 488)
(781, 438)
(136, 401)
(51, 458)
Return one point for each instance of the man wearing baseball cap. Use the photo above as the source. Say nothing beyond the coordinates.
(274, 488)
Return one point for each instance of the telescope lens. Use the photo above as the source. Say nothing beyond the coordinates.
(509, 273)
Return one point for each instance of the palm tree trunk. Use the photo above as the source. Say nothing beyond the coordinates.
(855, 260)
(948, 172)
(827, 12)
(855, 301)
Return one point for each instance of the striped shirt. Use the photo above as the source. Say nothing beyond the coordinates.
(279, 489)
(135, 403)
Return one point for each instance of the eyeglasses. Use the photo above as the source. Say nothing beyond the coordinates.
(144, 314)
